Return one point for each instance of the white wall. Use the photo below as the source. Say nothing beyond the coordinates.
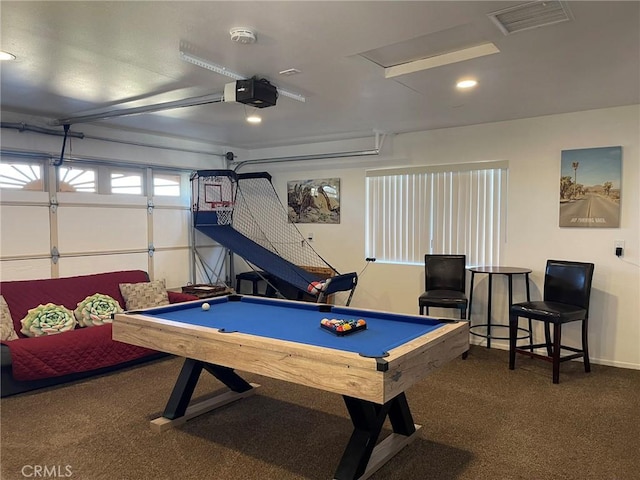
(533, 148)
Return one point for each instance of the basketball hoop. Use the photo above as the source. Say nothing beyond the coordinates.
(223, 211)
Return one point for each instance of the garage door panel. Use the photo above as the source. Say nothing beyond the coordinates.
(173, 266)
(87, 265)
(32, 269)
(171, 228)
(24, 230)
(86, 229)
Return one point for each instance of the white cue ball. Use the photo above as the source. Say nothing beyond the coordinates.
(206, 306)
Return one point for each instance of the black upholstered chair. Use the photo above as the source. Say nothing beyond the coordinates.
(567, 291)
(445, 283)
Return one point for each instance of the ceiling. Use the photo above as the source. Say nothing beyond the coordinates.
(75, 58)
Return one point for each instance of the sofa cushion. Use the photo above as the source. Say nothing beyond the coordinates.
(7, 330)
(80, 350)
(96, 309)
(48, 319)
(144, 295)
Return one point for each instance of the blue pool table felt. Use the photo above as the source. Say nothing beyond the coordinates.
(300, 322)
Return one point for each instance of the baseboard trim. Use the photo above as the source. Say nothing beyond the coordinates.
(501, 345)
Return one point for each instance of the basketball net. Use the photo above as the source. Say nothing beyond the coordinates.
(223, 212)
(224, 215)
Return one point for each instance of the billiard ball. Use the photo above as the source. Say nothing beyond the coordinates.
(206, 306)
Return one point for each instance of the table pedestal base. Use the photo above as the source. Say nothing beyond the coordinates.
(178, 410)
(385, 450)
(361, 458)
(161, 424)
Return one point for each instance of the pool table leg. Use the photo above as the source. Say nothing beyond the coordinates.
(178, 410)
(183, 389)
(362, 457)
(227, 376)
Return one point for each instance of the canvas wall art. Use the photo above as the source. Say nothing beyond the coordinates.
(590, 182)
(314, 201)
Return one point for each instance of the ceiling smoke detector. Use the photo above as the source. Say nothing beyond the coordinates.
(242, 35)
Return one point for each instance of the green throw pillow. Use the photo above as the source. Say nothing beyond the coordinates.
(96, 310)
(47, 319)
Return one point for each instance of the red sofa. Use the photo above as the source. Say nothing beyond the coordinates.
(30, 363)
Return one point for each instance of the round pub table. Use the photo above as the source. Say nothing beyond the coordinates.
(509, 272)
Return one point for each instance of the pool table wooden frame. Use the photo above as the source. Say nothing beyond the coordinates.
(373, 388)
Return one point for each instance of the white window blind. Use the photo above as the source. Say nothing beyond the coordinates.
(441, 209)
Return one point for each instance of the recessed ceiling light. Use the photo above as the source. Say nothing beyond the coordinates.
(468, 83)
(7, 56)
(254, 119)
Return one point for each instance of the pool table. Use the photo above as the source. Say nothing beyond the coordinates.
(283, 339)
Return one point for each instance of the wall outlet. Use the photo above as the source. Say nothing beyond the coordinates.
(619, 244)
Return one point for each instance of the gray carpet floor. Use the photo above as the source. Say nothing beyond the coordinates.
(479, 421)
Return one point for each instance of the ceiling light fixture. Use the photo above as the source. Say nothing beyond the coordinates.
(252, 118)
(7, 56)
(468, 83)
(187, 57)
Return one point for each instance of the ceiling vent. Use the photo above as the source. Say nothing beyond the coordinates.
(530, 15)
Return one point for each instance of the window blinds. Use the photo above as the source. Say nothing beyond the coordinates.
(440, 209)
